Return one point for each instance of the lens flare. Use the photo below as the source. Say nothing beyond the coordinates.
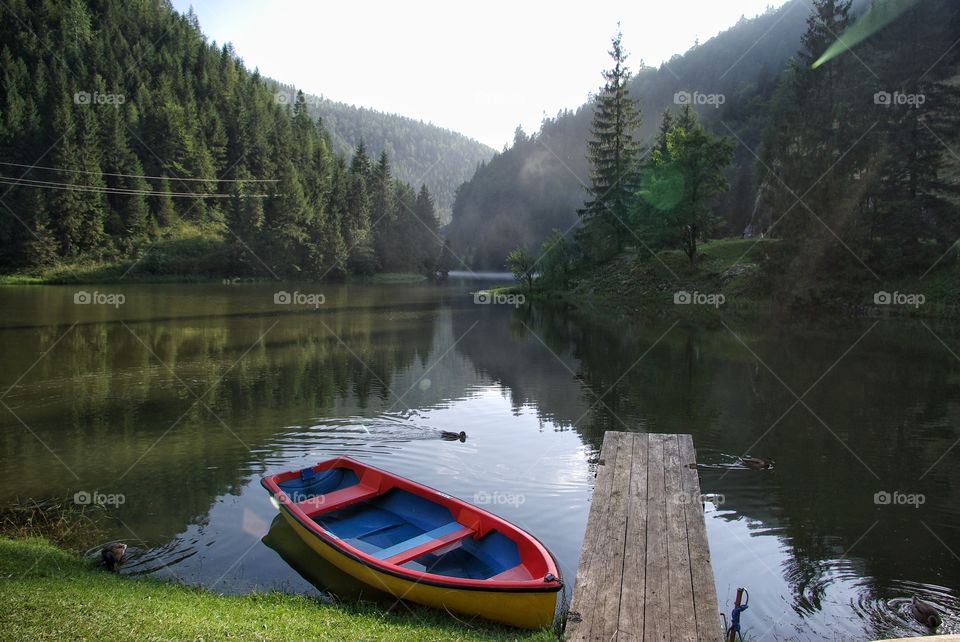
(876, 18)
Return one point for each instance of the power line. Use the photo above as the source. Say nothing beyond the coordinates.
(25, 182)
(131, 190)
(175, 178)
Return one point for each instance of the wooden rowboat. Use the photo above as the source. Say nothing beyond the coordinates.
(417, 543)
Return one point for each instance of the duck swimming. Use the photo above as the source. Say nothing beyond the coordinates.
(757, 463)
(925, 613)
(453, 436)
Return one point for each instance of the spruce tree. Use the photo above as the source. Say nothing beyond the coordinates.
(362, 257)
(164, 212)
(79, 209)
(332, 252)
(429, 247)
(245, 219)
(384, 214)
(910, 210)
(285, 229)
(613, 153)
(811, 145)
(126, 221)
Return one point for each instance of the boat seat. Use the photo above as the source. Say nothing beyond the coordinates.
(337, 499)
(518, 573)
(423, 544)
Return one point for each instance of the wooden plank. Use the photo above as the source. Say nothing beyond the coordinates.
(428, 542)
(582, 609)
(683, 622)
(706, 607)
(630, 624)
(644, 571)
(656, 623)
(607, 606)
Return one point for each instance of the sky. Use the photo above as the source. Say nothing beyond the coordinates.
(479, 68)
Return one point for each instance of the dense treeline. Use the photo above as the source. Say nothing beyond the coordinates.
(848, 162)
(539, 183)
(420, 152)
(661, 200)
(859, 174)
(146, 130)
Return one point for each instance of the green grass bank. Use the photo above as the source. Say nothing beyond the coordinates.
(49, 593)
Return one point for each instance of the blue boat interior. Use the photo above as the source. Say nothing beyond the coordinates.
(398, 521)
(310, 483)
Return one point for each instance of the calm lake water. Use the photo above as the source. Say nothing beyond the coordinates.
(179, 399)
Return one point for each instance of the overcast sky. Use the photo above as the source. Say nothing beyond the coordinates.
(478, 69)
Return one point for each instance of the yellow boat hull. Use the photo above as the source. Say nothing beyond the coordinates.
(523, 609)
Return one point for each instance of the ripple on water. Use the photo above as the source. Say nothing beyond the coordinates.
(890, 614)
(157, 559)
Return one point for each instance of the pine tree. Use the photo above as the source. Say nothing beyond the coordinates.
(384, 213)
(381, 189)
(126, 221)
(362, 256)
(360, 164)
(285, 217)
(429, 245)
(331, 250)
(245, 219)
(815, 127)
(189, 113)
(79, 209)
(76, 27)
(613, 153)
(407, 234)
(666, 124)
(908, 212)
(164, 212)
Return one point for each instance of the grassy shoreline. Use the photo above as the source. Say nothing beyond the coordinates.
(114, 274)
(50, 593)
(741, 270)
(191, 256)
(738, 270)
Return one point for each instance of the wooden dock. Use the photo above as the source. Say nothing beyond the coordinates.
(644, 570)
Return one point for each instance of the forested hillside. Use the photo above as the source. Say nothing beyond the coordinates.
(851, 159)
(121, 128)
(859, 164)
(421, 152)
(538, 184)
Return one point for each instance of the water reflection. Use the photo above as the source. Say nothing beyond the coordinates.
(317, 571)
(182, 398)
(876, 416)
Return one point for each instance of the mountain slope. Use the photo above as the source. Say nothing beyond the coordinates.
(538, 184)
(123, 132)
(421, 153)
